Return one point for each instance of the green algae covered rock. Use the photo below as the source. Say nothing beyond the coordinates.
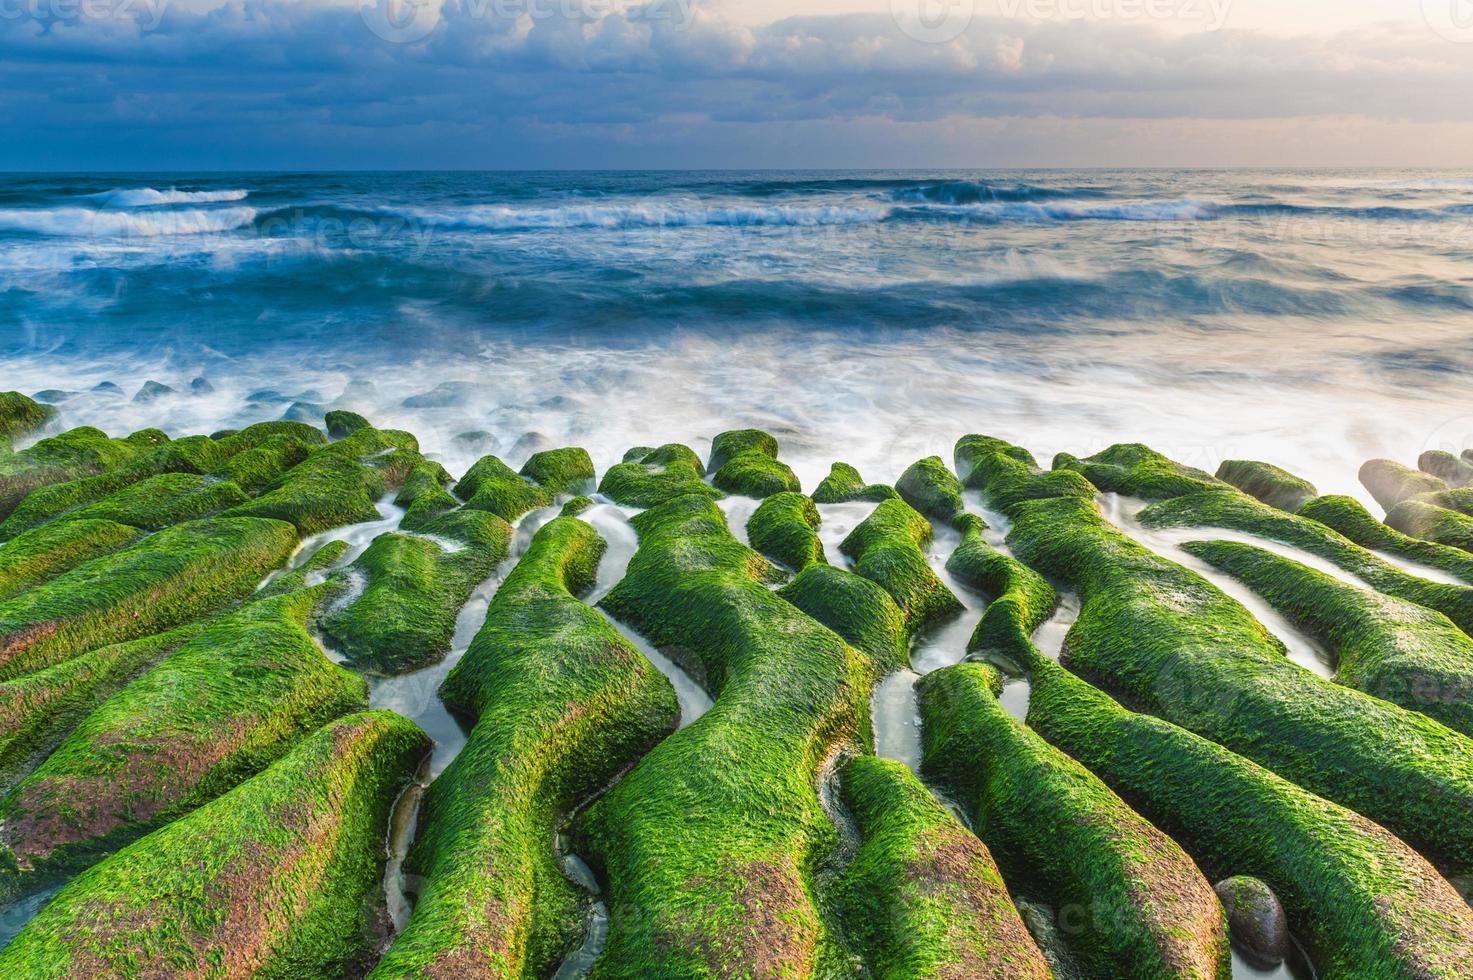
(1390, 482)
(223, 706)
(273, 879)
(857, 609)
(1170, 642)
(1347, 516)
(155, 503)
(1022, 598)
(653, 476)
(253, 436)
(34, 556)
(1419, 519)
(162, 581)
(784, 528)
(1136, 904)
(888, 549)
(744, 461)
(844, 484)
(339, 483)
(929, 487)
(1364, 903)
(405, 617)
(190, 455)
(341, 424)
(424, 496)
(1452, 470)
(20, 415)
(562, 471)
(38, 710)
(923, 897)
(1268, 483)
(563, 703)
(710, 844)
(492, 486)
(1139, 471)
(1256, 921)
(1010, 475)
(1399, 651)
(69, 456)
(261, 465)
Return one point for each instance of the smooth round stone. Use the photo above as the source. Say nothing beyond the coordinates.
(1256, 920)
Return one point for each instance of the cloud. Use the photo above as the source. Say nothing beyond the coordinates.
(502, 83)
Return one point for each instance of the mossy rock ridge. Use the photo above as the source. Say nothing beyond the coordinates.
(888, 548)
(923, 897)
(219, 709)
(1129, 901)
(277, 878)
(562, 703)
(650, 477)
(711, 844)
(160, 582)
(844, 484)
(744, 461)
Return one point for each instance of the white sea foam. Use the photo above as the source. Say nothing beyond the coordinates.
(136, 197)
(1177, 209)
(621, 216)
(94, 223)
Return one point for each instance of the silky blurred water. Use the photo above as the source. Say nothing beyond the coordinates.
(1311, 318)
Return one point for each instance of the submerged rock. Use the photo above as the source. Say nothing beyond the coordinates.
(444, 395)
(201, 386)
(152, 390)
(1256, 921)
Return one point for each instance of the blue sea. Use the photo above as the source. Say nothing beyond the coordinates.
(1312, 318)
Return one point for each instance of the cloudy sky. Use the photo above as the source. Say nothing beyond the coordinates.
(202, 84)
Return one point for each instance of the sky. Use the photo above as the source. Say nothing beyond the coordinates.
(387, 84)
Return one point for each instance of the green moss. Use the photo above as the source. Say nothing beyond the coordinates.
(20, 415)
(1399, 651)
(259, 434)
(929, 487)
(339, 483)
(744, 461)
(729, 445)
(561, 471)
(1240, 512)
(923, 897)
(888, 548)
(1459, 499)
(710, 845)
(562, 703)
(424, 496)
(34, 556)
(576, 506)
(1022, 598)
(1349, 518)
(160, 582)
(1391, 483)
(405, 617)
(222, 707)
(1419, 519)
(275, 879)
(1171, 643)
(1010, 475)
(159, 501)
(1363, 902)
(1268, 483)
(71, 455)
(38, 710)
(784, 528)
(492, 486)
(855, 608)
(844, 484)
(655, 477)
(341, 424)
(1130, 902)
(192, 455)
(1139, 471)
(263, 464)
(1452, 470)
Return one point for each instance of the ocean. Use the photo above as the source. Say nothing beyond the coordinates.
(1313, 319)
